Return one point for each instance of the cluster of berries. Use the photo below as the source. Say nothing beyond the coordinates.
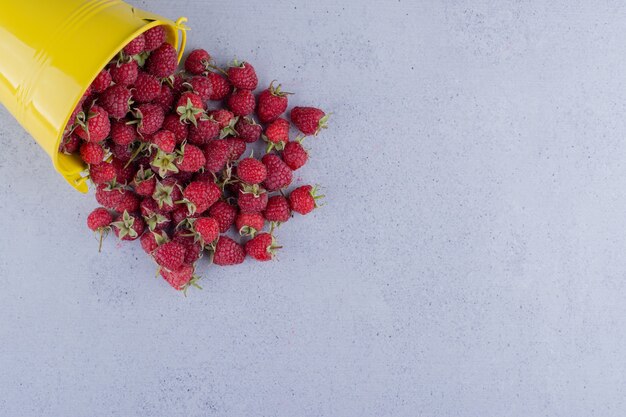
(171, 172)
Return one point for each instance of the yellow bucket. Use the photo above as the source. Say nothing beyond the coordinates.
(51, 51)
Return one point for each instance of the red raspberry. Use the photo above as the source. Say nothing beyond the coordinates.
(165, 99)
(250, 202)
(222, 117)
(107, 196)
(93, 126)
(224, 213)
(99, 219)
(294, 155)
(124, 73)
(136, 46)
(91, 153)
(242, 75)
(150, 117)
(164, 140)
(102, 173)
(200, 195)
(248, 224)
(262, 247)
(277, 209)
(221, 86)
(166, 193)
(193, 249)
(251, 171)
(163, 61)
(204, 131)
(216, 153)
(202, 86)
(241, 102)
(192, 159)
(228, 252)
(121, 152)
(248, 130)
(271, 104)
(154, 217)
(146, 88)
(144, 182)
(182, 278)
(116, 101)
(123, 133)
(279, 175)
(237, 148)
(102, 81)
(309, 120)
(170, 255)
(206, 229)
(154, 38)
(277, 134)
(190, 107)
(128, 226)
(173, 124)
(123, 173)
(70, 144)
(128, 201)
(197, 62)
(303, 199)
(149, 242)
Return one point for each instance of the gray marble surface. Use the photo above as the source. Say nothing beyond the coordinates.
(469, 260)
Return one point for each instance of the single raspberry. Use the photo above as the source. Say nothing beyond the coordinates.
(173, 124)
(166, 193)
(116, 100)
(206, 130)
(228, 252)
(154, 217)
(91, 153)
(248, 224)
(165, 163)
(200, 195)
(70, 144)
(303, 199)
(206, 230)
(178, 84)
(237, 148)
(252, 202)
(224, 213)
(93, 126)
(191, 158)
(154, 37)
(248, 130)
(251, 171)
(202, 86)
(124, 173)
(262, 247)
(165, 98)
(124, 72)
(181, 279)
(136, 46)
(100, 221)
(216, 154)
(122, 133)
(221, 86)
(222, 117)
(242, 75)
(128, 226)
(146, 88)
(150, 241)
(163, 61)
(193, 249)
(121, 152)
(180, 216)
(277, 209)
(149, 117)
(144, 182)
(277, 134)
(164, 140)
(102, 81)
(241, 102)
(128, 202)
(190, 107)
(197, 62)
(108, 196)
(279, 174)
(102, 173)
(272, 103)
(294, 155)
(170, 255)
(309, 120)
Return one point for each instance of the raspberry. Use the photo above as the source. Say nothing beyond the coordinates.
(197, 62)
(164, 140)
(251, 171)
(200, 195)
(150, 118)
(202, 86)
(277, 134)
(262, 247)
(277, 209)
(206, 229)
(248, 224)
(102, 81)
(124, 73)
(190, 107)
(271, 104)
(128, 226)
(173, 124)
(154, 37)
(136, 46)
(279, 175)
(242, 75)
(99, 219)
(224, 213)
(182, 278)
(193, 249)
(165, 98)
(107, 196)
(294, 155)
(146, 88)
(220, 85)
(162, 62)
(102, 173)
(93, 126)
(309, 120)
(144, 182)
(248, 130)
(122, 133)
(250, 202)
(204, 131)
(166, 193)
(91, 153)
(191, 159)
(116, 101)
(149, 242)
(170, 255)
(216, 154)
(242, 102)
(237, 148)
(228, 252)
(303, 199)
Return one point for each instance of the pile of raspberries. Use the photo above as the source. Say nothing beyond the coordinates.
(176, 174)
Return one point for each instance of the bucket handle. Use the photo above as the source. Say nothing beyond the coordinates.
(180, 25)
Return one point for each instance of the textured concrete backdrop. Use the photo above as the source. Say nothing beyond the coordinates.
(469, 262)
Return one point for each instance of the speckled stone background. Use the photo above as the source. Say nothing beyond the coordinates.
(469, 261)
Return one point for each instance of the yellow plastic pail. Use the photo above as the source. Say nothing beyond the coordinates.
(52, 50)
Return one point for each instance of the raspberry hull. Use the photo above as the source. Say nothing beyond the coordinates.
(171, 155)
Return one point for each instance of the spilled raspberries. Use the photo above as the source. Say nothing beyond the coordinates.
(193, 162)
